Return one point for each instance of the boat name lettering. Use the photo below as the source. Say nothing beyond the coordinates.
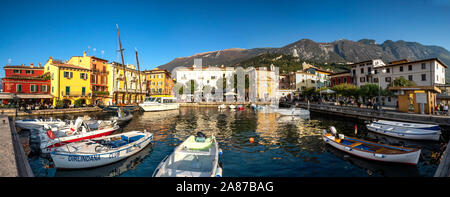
(114, 155)
(78, 158)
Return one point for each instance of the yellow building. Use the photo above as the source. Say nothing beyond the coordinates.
(98, 75)
(117, 90)
(159, 82)
(68, 82)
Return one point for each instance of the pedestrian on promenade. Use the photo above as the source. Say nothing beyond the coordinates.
(446, 109)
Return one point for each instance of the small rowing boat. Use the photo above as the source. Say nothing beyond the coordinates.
(100, 151)
(372, 150)
(198, 156)
(406, 130)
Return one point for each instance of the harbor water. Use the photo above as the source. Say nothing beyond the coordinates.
(282, 147)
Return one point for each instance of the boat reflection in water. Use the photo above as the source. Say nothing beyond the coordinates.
(111, 170)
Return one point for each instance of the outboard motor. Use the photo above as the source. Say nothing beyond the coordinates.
(333, 130)
(200, 137)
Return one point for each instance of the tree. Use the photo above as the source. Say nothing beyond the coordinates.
(401, 82)
(192, 86)
(369, 90)
(309, 91)
(79, 102)
(346, 90)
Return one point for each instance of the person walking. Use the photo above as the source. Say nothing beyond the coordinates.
(446, 109)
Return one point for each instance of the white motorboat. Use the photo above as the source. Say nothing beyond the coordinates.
(100, 151)
(232, 106)
(198, 156)
(372, 150)
(406, 130)
(159, 103)
(38, 123)
(223, 106)
(52, 137)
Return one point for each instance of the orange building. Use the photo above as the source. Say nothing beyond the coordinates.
(159, 82)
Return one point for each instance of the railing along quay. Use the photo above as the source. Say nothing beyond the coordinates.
(215, 104)
(370, 114)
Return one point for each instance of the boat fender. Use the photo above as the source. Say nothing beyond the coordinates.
(220, 152)
(219, 172)
(348, 148)
(333, 130)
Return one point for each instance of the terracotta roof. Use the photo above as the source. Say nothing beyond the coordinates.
(403, 62)
(70, 66)
(22, 66)
(93, 58)
(340, 73)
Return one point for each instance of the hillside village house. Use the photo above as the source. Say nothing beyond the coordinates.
(117, 91)
(340, 78)
(29, 84)
(304, 80)
(427, 72)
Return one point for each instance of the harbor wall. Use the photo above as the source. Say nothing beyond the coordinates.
(14, 161)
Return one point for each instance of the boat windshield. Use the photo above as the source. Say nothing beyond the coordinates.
(153, 100)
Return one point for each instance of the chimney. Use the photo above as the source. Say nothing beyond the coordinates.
(31, 65)
(50, 59)
(39, 64)
(84, 53)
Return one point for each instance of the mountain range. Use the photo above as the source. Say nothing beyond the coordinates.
(338, 52)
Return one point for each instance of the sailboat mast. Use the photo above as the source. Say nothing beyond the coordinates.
(123, 65)
(139, 74)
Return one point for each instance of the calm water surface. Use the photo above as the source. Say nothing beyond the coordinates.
(282, 147)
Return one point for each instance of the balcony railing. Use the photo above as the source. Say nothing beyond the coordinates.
(75, 94)
(100, 93)
(99, 72)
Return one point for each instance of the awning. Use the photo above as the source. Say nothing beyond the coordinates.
(34, 96)
(6, 96)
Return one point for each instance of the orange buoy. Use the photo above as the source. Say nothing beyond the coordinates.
(251, 140)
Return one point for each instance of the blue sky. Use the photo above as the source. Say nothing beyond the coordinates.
(32, 31)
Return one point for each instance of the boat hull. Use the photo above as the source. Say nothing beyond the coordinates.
(404, 132)
(36, 124)
(410, 158)
(48, 145)
(80, 161)
(149, 108)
